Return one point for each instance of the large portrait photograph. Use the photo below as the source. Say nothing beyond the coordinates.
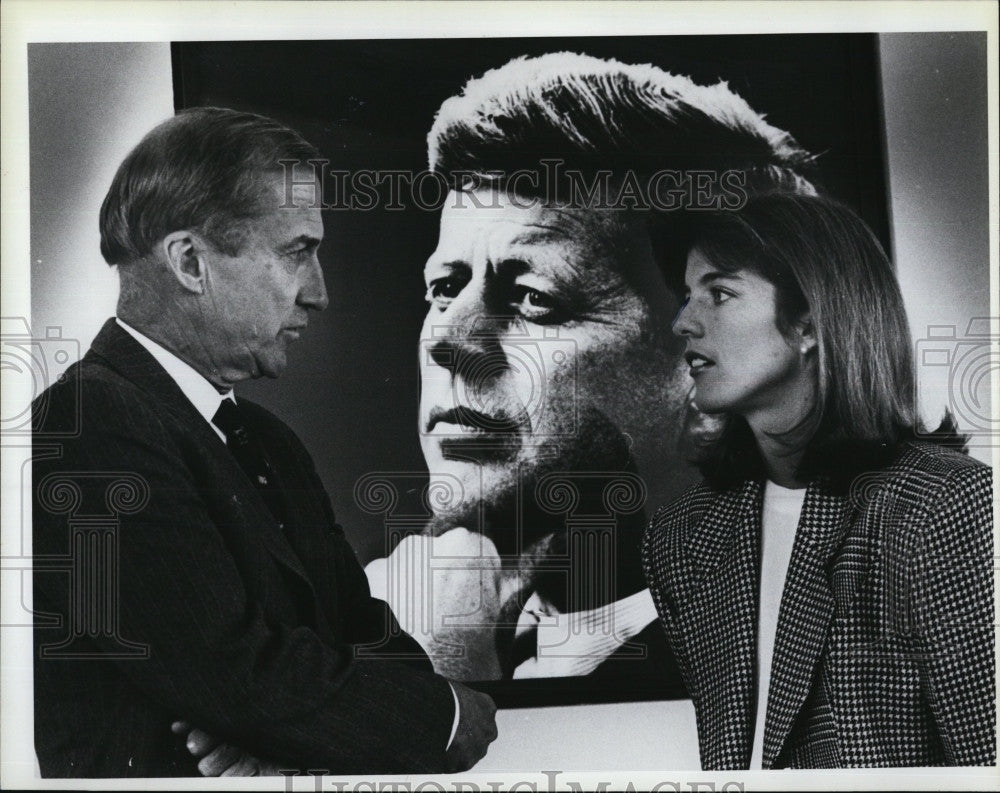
(557, 462)
(395, 396)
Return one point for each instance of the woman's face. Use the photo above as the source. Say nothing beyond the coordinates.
(740, 361)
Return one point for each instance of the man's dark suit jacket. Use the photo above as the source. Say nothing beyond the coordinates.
(219, 616)
(884, 651)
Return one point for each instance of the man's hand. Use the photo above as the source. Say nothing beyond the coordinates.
(477, 728)
(221, 759)
(445, 592)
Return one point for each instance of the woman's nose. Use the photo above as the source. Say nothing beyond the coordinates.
(685, 323)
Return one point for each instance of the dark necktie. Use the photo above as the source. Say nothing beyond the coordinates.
(250, 454)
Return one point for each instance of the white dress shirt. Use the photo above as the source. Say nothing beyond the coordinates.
(200, 392)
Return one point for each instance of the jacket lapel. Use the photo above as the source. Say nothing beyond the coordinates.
(807, 608)
(126, 356)
(718, 619)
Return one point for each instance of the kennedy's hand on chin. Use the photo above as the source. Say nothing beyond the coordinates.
(220, 759)
(460, 569)
(477, 728)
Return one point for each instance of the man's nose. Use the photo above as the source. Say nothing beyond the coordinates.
(312, 293)
(686, 323)
(466, 337)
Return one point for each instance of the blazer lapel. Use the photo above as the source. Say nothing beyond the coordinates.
(126, 356)
(718, 617)
(807, 608)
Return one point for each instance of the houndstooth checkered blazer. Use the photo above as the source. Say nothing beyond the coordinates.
(884, 651)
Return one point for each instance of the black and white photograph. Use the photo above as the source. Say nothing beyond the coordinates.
(499, 394)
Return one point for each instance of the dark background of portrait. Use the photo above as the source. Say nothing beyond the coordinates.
(352, 384)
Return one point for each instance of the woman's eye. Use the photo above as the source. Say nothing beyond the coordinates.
(719, 296)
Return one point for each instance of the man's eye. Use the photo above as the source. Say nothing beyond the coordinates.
(442, 290)
(534, 305)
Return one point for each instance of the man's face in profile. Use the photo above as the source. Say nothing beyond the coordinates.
(257, 301)
(546, 346)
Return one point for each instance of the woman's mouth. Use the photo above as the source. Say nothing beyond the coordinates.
(697, 362)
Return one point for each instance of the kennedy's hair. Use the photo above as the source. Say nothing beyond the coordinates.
(823, 259)
(595, 116)
(201, 170)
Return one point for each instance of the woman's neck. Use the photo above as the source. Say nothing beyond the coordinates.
(782, 433)
(781, 461)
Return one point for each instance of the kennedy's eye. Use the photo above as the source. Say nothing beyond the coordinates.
(535, 306)
(441, 291)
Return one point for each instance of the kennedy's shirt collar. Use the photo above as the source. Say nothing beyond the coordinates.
(199, 391)
(575, 643)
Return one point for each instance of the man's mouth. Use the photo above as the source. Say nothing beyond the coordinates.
(468, 421)
(697, 362)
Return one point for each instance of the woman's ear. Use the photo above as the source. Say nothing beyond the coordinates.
(805, 333)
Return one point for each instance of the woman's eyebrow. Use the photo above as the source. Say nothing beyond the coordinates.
(718, 275)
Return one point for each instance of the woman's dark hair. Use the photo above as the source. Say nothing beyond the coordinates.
(823, 259)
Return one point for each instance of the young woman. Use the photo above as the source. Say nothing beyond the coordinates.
(828, 588)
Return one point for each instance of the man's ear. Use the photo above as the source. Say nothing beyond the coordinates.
(184, 254)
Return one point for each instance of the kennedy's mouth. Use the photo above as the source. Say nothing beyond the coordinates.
(471, 436)
(468, 421)
(697, 362)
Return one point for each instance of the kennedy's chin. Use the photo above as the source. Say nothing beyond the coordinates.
(453, 494)
(458, 488)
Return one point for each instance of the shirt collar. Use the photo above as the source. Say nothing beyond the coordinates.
(199, 391)
(575, 643)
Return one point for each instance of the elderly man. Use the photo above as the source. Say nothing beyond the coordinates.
(208, 582)
(554, 397)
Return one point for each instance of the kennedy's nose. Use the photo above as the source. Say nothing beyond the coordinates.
(686, 322)
(466, 337)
